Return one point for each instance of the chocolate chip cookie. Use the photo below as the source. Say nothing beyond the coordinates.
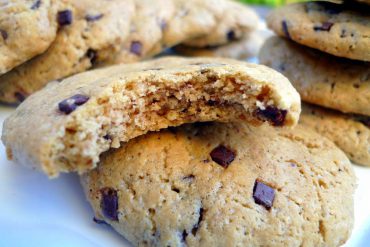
(27, 28)
(75, 120)
(351, 133)
(225, 185)
(239, 49)
(321, 79)
(90, 32)
(233, 22)
(339, 29)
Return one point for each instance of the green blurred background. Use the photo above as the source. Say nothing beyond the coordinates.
(269, 2)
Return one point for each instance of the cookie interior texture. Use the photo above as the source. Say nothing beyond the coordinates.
(320, 78)
(351, 133)
(339, 29)
(75, 120)
(280, 187)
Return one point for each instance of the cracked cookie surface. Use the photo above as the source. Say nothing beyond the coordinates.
(339, 29)
(321, 79)
(216, 184)
(75, 120)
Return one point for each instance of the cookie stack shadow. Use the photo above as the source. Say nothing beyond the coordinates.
(324, 50)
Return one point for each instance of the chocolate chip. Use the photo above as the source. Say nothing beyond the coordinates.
(326, 26)
(272, 114)
(222, 156)
(231, 35)
(69, 105)
(263, 194)
(136, 47)
(19, 96)
(92, 55)
(285, 28)
(98, 221)
(109, 203)
(36, 5)
(93, 17)
(197, 225)
(65, 17)
(184, 236)
(107, 137)
(4, 34)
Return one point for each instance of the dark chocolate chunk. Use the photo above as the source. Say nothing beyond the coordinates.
(98, 221)
(285, 28)
(263, 194)
(36, 5)
(272, 114)
(19, 96)
(92, 55)
(4, 34)
(231, 35)
(326, 26)
(136, 47)
(197, 225)
(65, 17)
(109, 203)
(69, 105)
(184, 236)
(93, 17)
(107, 137)
(222, 156)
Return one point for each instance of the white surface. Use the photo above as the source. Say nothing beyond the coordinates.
(36, 211)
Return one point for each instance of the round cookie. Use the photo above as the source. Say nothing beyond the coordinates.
(27, 28)
(242, 49)
(321, 79)
(350, 133)
(225, 185)
(96, 30)
(339, 29)
(146, 31)
(233, 23)
(75, 120)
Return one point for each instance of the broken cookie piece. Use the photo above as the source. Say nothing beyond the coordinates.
(77, 119)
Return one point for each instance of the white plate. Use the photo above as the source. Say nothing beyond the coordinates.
(36, 211)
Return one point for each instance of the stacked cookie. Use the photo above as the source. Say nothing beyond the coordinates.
(42, 41)
(231, 176)
(324, 50)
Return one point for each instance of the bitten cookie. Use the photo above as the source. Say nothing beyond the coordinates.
(75, 120)
(225, 185)
(90, 32)
(233, 22)
(27, 28)
(339, 29)
(350, 133)
(239, 49)
(321, 79)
